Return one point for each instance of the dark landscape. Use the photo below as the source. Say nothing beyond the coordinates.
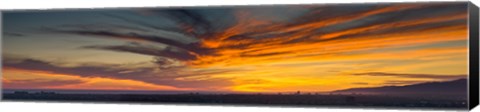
(427, 101)
(349, 97)
(453, 87)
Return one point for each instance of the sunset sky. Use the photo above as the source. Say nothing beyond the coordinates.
(282, 48)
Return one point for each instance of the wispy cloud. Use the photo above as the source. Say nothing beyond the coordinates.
(38, 83)
(167, 52)
(421, 76)
(13, 34)
(161, 76)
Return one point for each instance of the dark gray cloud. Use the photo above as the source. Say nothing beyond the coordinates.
(360, 83)
(428, 76)
(168, 52)
(145, 24)
(13, 34)
(190, 20)
(38, 83)
(85, 71)
(401, 82)
(190, 47)
(132, 36)
(106, 26)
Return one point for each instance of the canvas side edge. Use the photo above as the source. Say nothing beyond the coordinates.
(473, 82)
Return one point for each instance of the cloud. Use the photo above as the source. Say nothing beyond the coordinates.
(143, 24)
(198, 23)
(134, 36)
(165, 76)
(168, 52)
(401, 82)
(13, 34)
(38, 83)
(105, 26)
(360, 83)
(421, 76)
(86, 71)
(190, 21)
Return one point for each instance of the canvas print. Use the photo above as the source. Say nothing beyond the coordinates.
(390, 55)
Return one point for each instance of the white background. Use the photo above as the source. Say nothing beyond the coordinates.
(90, 107)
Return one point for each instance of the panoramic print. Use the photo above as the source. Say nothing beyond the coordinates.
(397, 55)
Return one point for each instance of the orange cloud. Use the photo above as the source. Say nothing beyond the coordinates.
(88, 83)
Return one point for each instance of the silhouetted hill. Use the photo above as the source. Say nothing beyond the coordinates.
(448, 87)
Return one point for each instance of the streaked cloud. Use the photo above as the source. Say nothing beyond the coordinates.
(37, 83)
(427, 76)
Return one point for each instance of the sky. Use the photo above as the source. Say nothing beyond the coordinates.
(279, 48)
